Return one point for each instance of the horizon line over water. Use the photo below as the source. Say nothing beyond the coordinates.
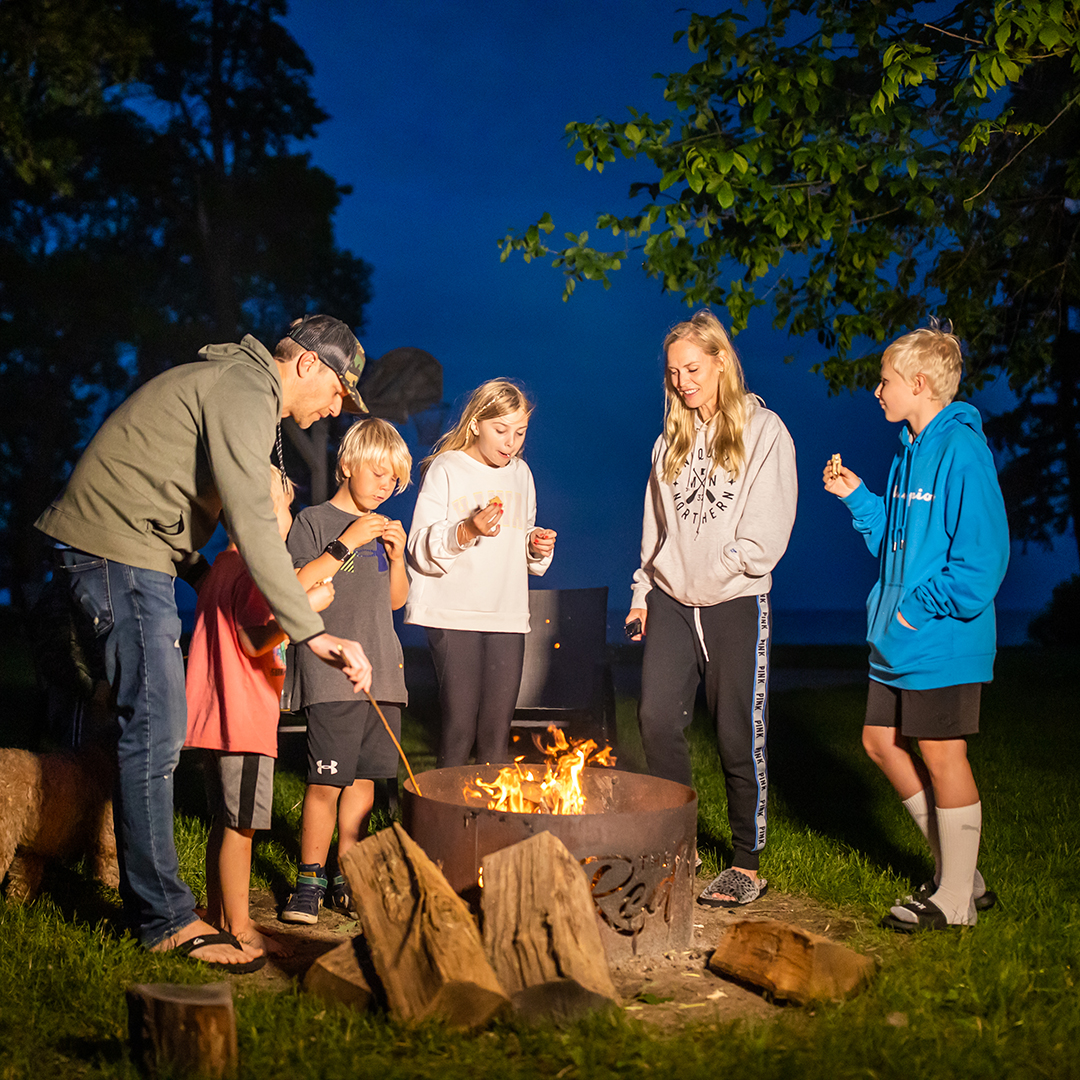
(808, 626)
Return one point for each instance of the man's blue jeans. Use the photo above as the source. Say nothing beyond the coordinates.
(135, 619)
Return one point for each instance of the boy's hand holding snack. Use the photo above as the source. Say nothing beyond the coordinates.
(394, 538)
(839, 480)
(363, 530)
(321, 595)
(542, 542)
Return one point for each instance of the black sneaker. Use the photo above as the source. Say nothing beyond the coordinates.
(304, 904)
(339, 896)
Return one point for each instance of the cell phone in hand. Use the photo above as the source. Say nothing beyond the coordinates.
(632, 629)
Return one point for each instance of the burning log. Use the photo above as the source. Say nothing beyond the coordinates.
(552, 787)
(540, 931)
(424, 944)
(790, 962)
(183, 1030)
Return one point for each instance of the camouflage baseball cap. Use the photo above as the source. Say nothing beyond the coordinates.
(336, 346)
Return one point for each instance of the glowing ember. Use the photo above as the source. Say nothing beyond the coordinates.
(552, 787)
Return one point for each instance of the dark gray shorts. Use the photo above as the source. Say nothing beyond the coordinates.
(239, 788)
(945, 712)
(346, 741)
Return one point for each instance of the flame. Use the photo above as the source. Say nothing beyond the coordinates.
(552, 787)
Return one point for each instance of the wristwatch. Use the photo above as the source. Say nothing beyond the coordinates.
(337, 550)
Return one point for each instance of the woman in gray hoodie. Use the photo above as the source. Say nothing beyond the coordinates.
(719, 508)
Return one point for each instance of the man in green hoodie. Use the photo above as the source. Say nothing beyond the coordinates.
(188, 446)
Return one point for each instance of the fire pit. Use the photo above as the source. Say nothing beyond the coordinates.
(635, 841)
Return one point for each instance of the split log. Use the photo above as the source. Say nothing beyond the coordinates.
(790, 962)
(183, 1030)
(424, 943)
(338, 975)
(540, 931)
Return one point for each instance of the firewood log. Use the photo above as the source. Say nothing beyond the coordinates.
(424, 943)
(540, 931)
(790, 962)
(183, 1030)
(338, 975)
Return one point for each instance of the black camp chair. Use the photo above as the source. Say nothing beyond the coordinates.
(567, 677)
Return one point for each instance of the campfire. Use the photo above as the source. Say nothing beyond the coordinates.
(552, 787)
(632, 835)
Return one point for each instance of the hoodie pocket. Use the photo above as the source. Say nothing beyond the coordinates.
(164, 529)
(894, 646)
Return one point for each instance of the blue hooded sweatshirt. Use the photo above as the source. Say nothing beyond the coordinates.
(943, 541)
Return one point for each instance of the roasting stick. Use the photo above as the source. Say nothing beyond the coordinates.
(390, 732)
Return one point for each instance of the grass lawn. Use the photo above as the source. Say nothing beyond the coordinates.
(997, 1000)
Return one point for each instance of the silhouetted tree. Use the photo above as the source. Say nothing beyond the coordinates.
(184, 213)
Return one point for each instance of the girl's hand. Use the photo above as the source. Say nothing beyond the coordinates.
(484, 522)
(843, 483)
(321, 595)
(364, 529)
(641, 614)
(393, 538)
(542, 541)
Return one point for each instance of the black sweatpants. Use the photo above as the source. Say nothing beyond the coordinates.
(479, 677)
(728, 644)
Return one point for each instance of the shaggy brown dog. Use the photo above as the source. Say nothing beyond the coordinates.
(55, 806)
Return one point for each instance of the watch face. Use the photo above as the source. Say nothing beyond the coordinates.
(336, 549)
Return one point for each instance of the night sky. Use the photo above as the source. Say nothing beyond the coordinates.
(447, 120)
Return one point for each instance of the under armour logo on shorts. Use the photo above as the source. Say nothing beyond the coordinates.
(330, 767)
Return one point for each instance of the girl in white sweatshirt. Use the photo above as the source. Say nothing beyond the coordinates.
(472, 545)
(719, 509)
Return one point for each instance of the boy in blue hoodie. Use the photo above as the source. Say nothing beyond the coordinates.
(943, 543)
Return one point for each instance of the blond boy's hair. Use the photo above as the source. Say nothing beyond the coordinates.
(372, 442)
(931, 351)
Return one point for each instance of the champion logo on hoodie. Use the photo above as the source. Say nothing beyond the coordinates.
(917, 496)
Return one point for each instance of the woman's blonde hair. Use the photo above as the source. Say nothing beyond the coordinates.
(725, 440)
(489, 401)
(372, 442)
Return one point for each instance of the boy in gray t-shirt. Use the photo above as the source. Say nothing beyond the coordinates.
(347, 540)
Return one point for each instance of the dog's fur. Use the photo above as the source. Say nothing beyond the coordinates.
(55, 806)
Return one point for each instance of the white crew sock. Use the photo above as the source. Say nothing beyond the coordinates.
(959, 830)
(921, 808)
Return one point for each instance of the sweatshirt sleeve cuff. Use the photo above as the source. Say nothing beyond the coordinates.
(859, 500)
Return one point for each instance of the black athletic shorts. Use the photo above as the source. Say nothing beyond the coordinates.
(346, 741)
(945, 712)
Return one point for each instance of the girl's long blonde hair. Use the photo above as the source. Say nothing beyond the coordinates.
(489, 401)
(725, 440)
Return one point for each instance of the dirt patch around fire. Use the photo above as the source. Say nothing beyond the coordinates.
(666, 991)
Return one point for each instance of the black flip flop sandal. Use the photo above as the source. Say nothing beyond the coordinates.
(186, 948)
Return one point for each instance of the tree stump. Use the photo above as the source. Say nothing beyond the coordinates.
(424, 943)
(339, 975)
(540, 931)
(789, 962)
(183, 1030)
